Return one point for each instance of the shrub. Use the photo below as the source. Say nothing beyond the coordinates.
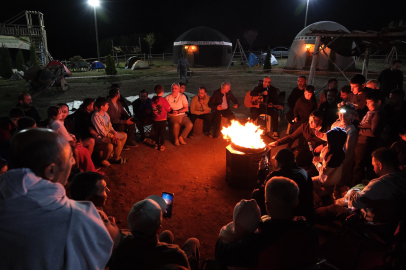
(20, 61)
(5, 63)
(33, 56)
(110, 66)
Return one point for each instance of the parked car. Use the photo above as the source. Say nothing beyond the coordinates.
(280, 51)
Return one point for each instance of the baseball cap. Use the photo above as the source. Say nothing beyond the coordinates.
(145, 217)
(285, 156)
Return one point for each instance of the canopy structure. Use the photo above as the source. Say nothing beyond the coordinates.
(366, 43)
(303, 46)
(204, 46)
(10, 42)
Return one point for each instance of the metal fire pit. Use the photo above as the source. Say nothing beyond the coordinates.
(242, 165)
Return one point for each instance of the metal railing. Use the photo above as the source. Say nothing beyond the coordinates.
(143, 56)
(20, 31)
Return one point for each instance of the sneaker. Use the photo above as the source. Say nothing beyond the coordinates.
(142, 139)
(176, 143)
(276, 135)
(131, 144)
(208, 134)
(191, 137)
(181, 140)
(126, 148)
(105, 163)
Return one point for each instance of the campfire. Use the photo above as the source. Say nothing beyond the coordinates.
(244, 138)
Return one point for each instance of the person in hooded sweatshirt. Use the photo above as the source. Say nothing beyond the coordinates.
(40, 228)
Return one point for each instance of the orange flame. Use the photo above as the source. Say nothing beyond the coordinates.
(248, 135)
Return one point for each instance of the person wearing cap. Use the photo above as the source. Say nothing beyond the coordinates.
(346, 113)
(148, 247)
(283, 241)
(285, 165)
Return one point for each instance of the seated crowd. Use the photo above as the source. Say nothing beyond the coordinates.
(350, 161)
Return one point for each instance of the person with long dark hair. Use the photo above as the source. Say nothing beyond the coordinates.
(81, 154)
(329, 163)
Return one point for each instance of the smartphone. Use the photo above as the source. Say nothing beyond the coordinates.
(168, 197)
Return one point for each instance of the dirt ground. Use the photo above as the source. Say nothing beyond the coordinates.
(195, 172)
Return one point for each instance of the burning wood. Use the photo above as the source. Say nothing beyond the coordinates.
(245, 136)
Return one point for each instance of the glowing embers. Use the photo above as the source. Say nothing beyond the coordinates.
(244, 137)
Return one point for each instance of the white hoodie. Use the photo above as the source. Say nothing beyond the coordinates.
(40, 228)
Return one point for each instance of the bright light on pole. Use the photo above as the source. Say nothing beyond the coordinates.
(95, 3)
(307, 8)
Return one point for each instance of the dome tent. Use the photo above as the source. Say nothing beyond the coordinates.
(97, 65)
(301, 50)
(139, 65)
(205, 47)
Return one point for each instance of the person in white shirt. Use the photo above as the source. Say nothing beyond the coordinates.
(40, 228)
(178, 117)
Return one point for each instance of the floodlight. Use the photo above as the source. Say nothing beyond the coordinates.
(94, 3)
(343, 111)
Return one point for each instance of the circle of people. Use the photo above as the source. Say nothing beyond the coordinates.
(343, 141)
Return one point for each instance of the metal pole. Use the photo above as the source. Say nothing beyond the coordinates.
(97, 36)
(307, 8)
(314, 61)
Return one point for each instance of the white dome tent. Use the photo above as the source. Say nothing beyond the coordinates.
(301, 50)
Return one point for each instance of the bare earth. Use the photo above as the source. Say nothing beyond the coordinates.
(195, 172)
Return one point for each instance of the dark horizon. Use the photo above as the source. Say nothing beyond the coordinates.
(70, 25)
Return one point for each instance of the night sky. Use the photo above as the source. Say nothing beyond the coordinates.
(70, 24)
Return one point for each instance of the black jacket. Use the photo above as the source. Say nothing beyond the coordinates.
(294, 97)
(81, 121)
(217, 99)
(272, 93)
(30, 112)
(304, 108)
(390, 80)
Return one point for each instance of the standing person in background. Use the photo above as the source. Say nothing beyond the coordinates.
(178, 117)
(199, 109)
(391, 78)
(142, 110)
(396, 114)
(220, 106)
(332, 85)
(294, 96)
(25, 103)
(119, 118)
(160, 109)
(369, 136)
(358, 98)
(182, 67)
